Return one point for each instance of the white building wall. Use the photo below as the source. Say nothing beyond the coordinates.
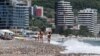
(88, 17)
(32, 11)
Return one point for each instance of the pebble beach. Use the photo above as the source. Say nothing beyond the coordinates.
(28, 48)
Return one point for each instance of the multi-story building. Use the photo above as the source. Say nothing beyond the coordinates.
(5, 14)
(37, 11)
(64, 16)
(14, 14)
(88, 17)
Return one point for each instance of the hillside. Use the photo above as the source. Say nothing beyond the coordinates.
(77, 4)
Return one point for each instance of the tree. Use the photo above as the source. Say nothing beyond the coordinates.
(99, 34)
(84, 31)
(68, 32)
(39, 22)
(76, 4)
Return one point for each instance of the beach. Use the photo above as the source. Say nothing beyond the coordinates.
(18, 47)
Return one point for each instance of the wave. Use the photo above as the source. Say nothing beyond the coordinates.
(76, 46)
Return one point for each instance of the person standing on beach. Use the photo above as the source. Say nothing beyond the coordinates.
(41, 36)
(49, 37)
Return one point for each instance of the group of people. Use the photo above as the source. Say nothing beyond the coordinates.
(40, 36)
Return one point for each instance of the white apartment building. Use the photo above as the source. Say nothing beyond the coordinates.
(64, 16)
(88, 17)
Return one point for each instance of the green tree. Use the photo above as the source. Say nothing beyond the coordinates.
(99, 34)
(39, 22)
(84, 31)
(67, 32)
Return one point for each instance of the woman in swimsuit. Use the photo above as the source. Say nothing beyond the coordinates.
(49, 36)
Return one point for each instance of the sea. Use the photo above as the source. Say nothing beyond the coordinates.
(74, 45)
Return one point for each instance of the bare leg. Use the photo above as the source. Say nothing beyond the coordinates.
(48, 40)
(41, 39)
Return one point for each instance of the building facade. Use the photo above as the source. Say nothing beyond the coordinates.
(88, 17)
(97, 30)
(5, 14)
(64, 16)
(37, 11)
(14, 14)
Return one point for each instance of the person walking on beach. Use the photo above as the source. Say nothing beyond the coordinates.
(49, 36)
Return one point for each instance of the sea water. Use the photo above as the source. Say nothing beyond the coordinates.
(92, 42)
(80, 46)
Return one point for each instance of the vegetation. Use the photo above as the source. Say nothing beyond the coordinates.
(49, 6)
(40, 23)
(77, 5)
(99, 34)
(67, 32)
(45, 3)
(81, 4)
(82, 32)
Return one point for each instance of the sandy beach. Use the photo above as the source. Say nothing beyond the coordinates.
(27, 48)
